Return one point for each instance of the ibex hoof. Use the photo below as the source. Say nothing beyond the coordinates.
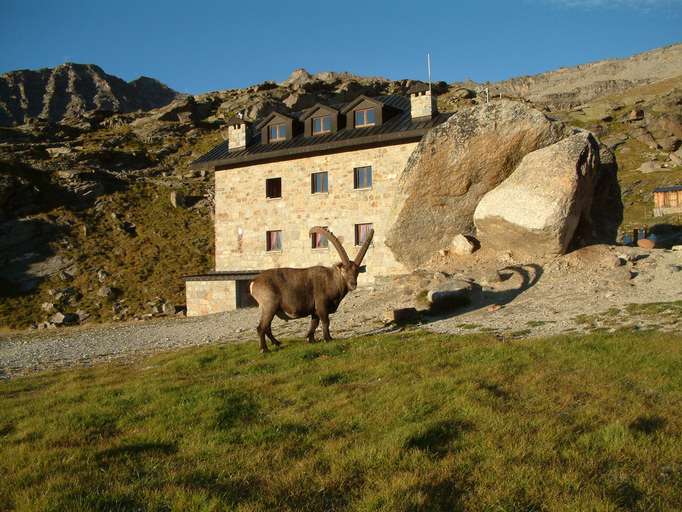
(264, 350)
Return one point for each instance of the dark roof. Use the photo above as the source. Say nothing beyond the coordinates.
(670, 188)
(398, 128)
(309, 112)
(232, 275)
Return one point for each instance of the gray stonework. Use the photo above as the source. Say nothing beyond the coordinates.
(422, 104)
(237, 135)
(207, 297)
(243, 214)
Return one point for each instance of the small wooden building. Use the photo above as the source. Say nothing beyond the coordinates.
(667, 200)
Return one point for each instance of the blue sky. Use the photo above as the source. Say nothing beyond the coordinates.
(202, 46)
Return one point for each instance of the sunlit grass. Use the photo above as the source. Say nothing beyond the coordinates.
(411, 421)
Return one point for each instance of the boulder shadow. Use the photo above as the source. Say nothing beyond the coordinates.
(529, 275)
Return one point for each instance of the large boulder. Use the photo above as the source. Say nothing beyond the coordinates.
(537, 210)
(454, 165)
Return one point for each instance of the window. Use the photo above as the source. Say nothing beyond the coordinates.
(322, 124)
(361, 231)
(318, 182)
(319, 241)
(273, 188)
(364, 117)
(273, 240)
(278, 132)
(362, 177)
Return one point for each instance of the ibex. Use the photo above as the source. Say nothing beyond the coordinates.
(297, 292)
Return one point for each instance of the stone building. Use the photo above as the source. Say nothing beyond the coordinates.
(330, 165)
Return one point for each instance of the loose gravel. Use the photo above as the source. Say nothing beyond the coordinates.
(528, 300)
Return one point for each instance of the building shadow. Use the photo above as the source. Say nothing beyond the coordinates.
(529, 275)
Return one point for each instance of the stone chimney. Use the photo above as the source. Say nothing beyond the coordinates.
(238, 132)
(422, 101)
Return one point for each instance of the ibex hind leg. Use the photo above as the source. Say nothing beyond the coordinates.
(266, 316)
(269, 334)
(314, 322)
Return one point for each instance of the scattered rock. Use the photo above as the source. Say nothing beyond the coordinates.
(636, 115)
(102, 275)
(649, 167)
(451, 295)
(65, 276)
(63, 319)
(402, 315)
(47, 307)
(168, 308)
(105, 292)
(461, 245)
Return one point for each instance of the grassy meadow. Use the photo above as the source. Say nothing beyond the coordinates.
(402, 422)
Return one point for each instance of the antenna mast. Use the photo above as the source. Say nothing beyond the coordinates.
(428, 65)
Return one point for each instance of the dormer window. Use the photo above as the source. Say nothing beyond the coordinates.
(322, 124)
(278, 132)
(365, 117)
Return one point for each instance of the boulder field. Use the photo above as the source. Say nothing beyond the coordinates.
(513, 177)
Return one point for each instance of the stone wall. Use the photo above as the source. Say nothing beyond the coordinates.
(243, 214)
(207, 297)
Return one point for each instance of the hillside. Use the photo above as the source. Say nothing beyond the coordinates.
(87, 227)
(70, 90)
(568, 87)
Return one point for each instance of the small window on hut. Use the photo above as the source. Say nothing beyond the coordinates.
(319, 183)
(273, 188)
(319, 241)
(322, 124)
(361, 232)
(278, 132)
(273, 240)
(364, 117)
(362, 177)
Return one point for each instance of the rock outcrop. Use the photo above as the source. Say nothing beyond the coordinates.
(566, 87)
(454, 166)
(537, 210)
(70, 90)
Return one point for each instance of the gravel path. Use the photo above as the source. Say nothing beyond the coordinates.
(531, 299)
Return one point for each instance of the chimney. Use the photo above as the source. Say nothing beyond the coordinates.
(238, 132)
(422, 101)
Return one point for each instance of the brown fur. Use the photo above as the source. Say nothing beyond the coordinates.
(297, 292)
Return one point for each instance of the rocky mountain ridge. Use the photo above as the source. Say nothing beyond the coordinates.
(571, 86)
(71, 90)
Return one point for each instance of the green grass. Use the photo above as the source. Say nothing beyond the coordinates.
(141, 268)
(401, 422)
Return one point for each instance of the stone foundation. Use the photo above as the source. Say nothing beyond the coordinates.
(211, 296)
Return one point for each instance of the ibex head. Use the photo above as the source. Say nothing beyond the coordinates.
(349, 269)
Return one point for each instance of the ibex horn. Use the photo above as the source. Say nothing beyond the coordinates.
(333, 240)
(365, 246)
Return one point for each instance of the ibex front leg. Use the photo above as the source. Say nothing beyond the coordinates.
(314, 322)
(324, 318)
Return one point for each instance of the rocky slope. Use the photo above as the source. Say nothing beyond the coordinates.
(70, 90)
(88, 229)
(568, 87)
